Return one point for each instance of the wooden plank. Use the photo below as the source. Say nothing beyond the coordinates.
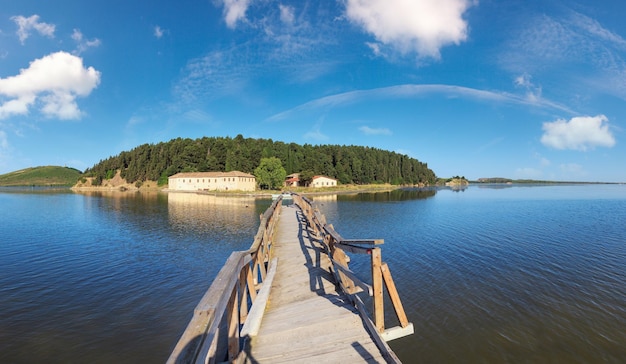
(397, 332)
(364, 241)
(333, 233)
(253, 322)
(393, 294)
(354, 249)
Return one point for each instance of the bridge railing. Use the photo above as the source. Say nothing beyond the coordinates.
(336, 247)
(215, 330)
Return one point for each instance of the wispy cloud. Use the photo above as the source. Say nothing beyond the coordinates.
(216, 74)
(27, 25)
(234, 11)
(284, 42)
(544, 44)
(286, 14)
(53, 82)
(579, 133)
(411, 91)
(374, 131)
(490, 144)
(422, 26)
(83, 44)
(159, 32)
(315, 133)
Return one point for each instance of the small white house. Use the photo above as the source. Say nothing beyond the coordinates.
(322, 181)
(212, 181)
(292, 180)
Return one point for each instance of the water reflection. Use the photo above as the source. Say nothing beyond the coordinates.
(403, 194)
(201, 213)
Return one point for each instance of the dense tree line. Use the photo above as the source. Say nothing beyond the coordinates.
(348, 164)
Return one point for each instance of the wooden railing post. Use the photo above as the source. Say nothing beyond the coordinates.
(243, 282)
(233, 325)
(377, 287)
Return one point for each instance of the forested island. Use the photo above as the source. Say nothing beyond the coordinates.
(347, 164)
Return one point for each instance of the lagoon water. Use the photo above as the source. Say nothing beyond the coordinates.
(486, 275)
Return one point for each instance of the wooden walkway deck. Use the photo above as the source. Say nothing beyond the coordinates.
(291, 297)
(307, 319)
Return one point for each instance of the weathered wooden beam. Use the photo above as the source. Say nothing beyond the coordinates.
(333, 233)
(377, 284)
(393, 294)
(255, 317)
(364, 241)
(354, 249)
(397, 332)
(233, 325)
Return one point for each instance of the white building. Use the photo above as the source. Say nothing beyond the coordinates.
(292, 180)
(322, 181)
(212, 181)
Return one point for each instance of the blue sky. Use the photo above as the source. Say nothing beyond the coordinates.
(518, 89)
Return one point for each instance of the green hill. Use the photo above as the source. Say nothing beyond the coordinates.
(41, 176)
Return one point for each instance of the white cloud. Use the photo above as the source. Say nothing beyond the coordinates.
(374, 131)
(83, 44)
(235, 10)
(26, 25)
(579, 133)
(158, 32)
(286, 14)
(56, 80)
(420, 26)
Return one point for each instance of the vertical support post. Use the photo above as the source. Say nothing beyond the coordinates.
(233, 326)
(251, 281)
(243, 304)
(377, 287)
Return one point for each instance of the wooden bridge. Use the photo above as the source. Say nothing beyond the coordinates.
(292, 298)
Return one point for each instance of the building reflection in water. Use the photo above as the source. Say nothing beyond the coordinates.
(210, 214)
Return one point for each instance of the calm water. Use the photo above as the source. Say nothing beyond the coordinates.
(518, 275)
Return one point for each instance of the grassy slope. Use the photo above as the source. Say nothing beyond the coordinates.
(41, 176)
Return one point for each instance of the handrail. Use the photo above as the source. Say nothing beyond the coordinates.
(336, 248)
(229, 298)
